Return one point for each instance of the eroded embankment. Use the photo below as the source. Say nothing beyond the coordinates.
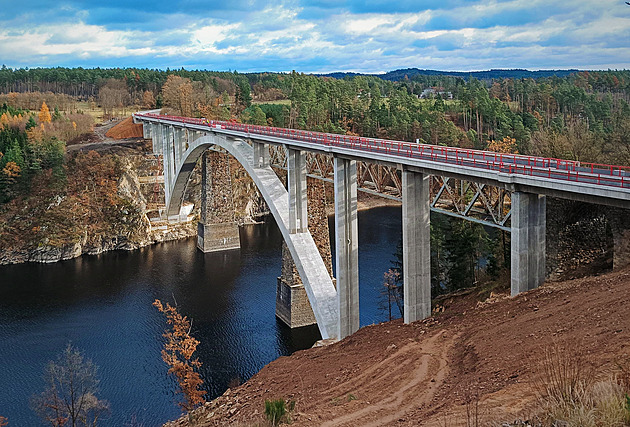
(429, 373)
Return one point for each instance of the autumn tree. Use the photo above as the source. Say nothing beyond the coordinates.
(177, 93)
(177, 354)
(507, 146)
(148, 101)
(44, 114)
(11, 170)
(70, 397)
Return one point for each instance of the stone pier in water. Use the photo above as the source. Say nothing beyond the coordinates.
(217, 229)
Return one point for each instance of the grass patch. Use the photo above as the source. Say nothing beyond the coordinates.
(278, 102)
(571, 395)
(278, 411)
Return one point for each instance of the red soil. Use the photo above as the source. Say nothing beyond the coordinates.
(423, 374)
(125, 129)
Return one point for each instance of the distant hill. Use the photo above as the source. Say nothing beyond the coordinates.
(397, 75)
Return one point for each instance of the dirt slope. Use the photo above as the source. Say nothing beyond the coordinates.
(125, 129)
(423, 374)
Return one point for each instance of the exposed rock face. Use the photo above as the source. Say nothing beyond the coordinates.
(583, 238)
(140, 185)
(620, 226)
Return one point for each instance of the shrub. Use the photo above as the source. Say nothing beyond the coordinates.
(275, 411)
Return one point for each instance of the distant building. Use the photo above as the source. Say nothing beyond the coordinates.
(431, 92)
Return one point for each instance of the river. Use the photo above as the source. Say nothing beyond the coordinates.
(102, 305)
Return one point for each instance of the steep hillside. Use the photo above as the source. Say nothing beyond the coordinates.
(472, 357)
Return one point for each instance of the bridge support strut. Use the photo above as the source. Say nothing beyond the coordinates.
(529, 222)
(346, 245)
(416, 246)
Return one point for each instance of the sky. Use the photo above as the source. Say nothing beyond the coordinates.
(316, 36)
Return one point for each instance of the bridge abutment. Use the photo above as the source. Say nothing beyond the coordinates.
(416, 230)
(217, 229)
(529, 222)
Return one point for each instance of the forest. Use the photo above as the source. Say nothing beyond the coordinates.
(577, 115)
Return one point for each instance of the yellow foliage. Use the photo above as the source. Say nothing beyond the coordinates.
(4, 119)
(507, 146)
(44, 114)
(12, 170)
(74, 125)
(36, 133)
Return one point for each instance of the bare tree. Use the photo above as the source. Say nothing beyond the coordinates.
(70, 397)
(113, 94)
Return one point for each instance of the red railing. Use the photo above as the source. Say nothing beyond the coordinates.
(566, 170)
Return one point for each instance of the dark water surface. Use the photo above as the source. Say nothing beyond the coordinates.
(102, 304)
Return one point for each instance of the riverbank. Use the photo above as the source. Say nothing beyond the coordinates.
(119, 213)
(476, 359)
(102, 304)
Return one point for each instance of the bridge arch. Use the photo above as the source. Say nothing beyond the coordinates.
(308, 261)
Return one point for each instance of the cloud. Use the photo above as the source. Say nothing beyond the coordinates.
(318, 35)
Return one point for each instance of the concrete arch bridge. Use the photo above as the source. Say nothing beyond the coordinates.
(501, 190)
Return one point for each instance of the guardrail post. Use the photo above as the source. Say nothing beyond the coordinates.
(528, 241)
(346, 245)
(416, 246)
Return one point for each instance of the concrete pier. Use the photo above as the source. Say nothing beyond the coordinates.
(296, 178)
(529, 220)
(416, 246)
(346, 245)
(261, 154)
(217, 229)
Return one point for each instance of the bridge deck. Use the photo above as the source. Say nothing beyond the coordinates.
(564, 176)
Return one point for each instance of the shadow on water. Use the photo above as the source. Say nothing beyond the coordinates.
(102, 304)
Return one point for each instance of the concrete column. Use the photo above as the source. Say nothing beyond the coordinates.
(217, 229)
(416, 246)
(179, 140)
(156, 138)
(539, 244)
(166, 161)
(528, 241)
(172, 148)
(261, 154)
(296, 178)
(346, 245)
